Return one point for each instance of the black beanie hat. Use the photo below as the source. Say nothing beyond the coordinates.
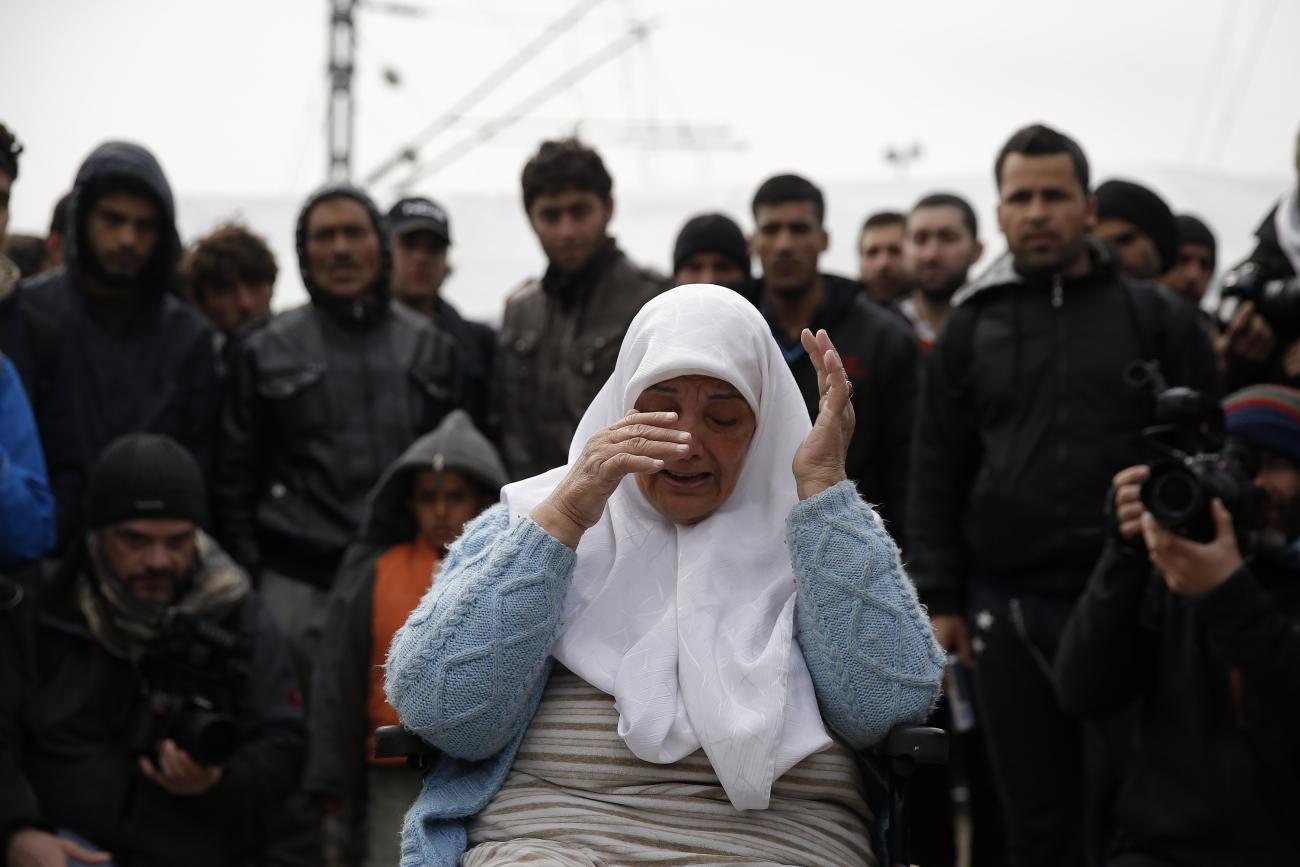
(1125, 200)
(1191, 230)
(711, 233)
(145, 476)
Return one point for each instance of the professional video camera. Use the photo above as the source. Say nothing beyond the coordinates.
(191, 676)
(1278, 301)
(1194, 461)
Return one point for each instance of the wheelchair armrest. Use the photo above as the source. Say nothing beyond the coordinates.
(911, 745)
(395, 742)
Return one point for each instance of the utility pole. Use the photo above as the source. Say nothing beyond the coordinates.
(343, 45)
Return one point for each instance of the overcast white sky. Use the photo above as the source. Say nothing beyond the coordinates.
(231, 95)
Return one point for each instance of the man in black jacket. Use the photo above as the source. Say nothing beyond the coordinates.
(880, 356)
(107, 347)
(1209, 646)
(1024, 419)
(103, 664)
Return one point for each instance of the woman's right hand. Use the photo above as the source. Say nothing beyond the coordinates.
(637, 443)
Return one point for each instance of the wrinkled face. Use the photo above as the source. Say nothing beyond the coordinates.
(571, 226)
(1192, 272)
(939, 250)
(1138, 257)
(442, 503)
(788, 241)
(232, 305)
(1280, 479)
(712, 268)
(691, 487)
(343, 251)
(1044, 212)
(419, 269)
(880, 262)
(6, 183)
(122, 231)
(150, 556)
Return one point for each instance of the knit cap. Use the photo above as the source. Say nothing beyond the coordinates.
(711, 233)
(145, 476)
(1125, 200)
(1266, 416)
(1192, 230)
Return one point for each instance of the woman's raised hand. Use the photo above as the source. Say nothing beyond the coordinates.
(819, 462)
(637, 443)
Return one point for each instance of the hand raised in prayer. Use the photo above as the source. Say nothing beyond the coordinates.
(636, 443)
(819, 462)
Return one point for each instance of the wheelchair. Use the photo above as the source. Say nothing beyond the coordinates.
(887, 770)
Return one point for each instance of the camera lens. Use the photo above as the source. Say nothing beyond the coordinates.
(1173, 495)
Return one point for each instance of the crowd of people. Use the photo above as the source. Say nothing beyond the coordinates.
(1060, 476)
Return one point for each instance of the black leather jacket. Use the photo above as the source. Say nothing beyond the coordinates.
(322, 399)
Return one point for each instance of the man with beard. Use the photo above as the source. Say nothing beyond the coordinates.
(880, 257)
(1193, 267)
(148, 709)
(880, 357)
(1024, 419)
(560, 335)
(106, 346)
(940, 246)
(1205, 636)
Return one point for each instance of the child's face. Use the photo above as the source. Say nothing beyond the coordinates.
(441, 505)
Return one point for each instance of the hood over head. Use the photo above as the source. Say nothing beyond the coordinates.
(455, 444)
(381, 285)
(118, 158)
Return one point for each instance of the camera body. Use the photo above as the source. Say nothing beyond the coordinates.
(1278, 301)
(191, 678)
(1194, 462)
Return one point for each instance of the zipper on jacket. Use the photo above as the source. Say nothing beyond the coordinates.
(1058, 292)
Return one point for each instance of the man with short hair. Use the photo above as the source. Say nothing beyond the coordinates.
(1204, 635)
(104, 345)
(940, 246)
(1139, 225)
(560, 335)
(149, 711)
(711, 248)
(880, 357)
(1193, 267)
(880, 257)
(229, 275)
(1024, 419)
(421, 240)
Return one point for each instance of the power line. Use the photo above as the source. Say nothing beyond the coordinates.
(557, 85)
(1236, 95)
(454, 114)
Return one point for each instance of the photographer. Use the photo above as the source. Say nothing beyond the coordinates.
(1260, 304)
(1208, 642)
(149, 711)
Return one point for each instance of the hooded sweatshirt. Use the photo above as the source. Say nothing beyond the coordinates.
(98, 368)
(1025, 417)
(322, 399)
(347, 691)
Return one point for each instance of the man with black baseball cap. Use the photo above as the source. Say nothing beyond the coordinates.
(151, 712)
(711, 248)
(1139, 225)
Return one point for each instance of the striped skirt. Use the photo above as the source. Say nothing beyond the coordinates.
(576, 796)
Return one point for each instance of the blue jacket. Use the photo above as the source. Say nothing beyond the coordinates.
(468, 669)
(26, 504)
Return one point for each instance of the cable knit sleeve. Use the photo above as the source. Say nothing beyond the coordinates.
(463, 669)
(865, 637)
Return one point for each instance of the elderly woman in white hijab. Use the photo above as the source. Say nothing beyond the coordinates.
(670, 648)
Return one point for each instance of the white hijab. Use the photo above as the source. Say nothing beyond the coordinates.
(691, 628)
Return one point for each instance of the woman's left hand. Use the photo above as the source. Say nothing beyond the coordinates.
(819, 462)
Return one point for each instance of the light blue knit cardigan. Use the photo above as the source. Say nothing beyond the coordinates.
(467, 671)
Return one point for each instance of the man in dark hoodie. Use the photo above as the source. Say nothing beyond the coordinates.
(103, 344)
(880, 356)
(415, 512)
(1025, 417)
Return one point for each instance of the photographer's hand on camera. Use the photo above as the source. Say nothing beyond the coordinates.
(1248, 336)
(1127, 504)
(178, 773)
(1191, 568)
